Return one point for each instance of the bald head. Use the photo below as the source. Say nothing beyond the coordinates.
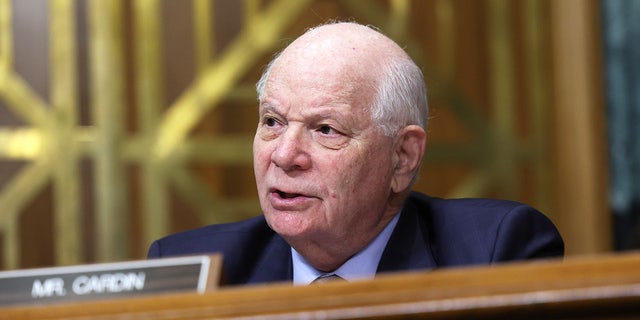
(365, 60)
(348, 43)
(339, 140)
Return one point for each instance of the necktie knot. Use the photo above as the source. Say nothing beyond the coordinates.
(327, 278)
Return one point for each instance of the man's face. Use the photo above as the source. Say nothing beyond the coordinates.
(323, 169)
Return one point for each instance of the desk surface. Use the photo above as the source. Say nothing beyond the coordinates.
(587, 287)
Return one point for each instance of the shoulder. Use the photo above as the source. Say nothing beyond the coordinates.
(440, 204)
(213, 238)
(472, 210)
(251, 251)
(479, 230)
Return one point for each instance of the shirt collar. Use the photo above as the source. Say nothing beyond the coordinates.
(363, 265)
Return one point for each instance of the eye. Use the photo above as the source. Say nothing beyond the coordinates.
(270, 127)
(270, 122)
(330, 137)
(326, 130)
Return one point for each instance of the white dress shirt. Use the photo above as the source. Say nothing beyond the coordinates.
(362, 266)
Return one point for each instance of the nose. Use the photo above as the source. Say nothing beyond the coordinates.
(291, 151)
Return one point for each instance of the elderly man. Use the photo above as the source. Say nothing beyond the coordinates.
(339, 143)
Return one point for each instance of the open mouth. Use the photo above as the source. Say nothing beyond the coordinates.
(285, 195)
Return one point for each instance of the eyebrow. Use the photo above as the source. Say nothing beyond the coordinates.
(323, 111)
(266, 105)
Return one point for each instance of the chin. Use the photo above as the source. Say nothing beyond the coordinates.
(283, 222)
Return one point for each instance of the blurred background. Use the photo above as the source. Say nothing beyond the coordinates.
(124, 120)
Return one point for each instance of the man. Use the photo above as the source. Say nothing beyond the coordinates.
(339, 143)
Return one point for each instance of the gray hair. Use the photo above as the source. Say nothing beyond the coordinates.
(401, 97)
(400, 100)
(262, 83)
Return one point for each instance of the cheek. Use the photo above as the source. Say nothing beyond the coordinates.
(261, 164)
(261, 156)
(342, 172)
(352, 176)
(372, 169)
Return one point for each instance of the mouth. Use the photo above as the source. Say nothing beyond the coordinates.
(281, 200)
(286, 195)
(290, 200)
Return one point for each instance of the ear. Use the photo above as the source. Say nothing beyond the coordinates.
(409, 149)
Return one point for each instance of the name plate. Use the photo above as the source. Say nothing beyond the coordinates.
(110, 280)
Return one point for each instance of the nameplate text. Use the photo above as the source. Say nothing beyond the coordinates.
(109, 280)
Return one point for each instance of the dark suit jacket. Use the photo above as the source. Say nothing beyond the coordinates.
(430, 233)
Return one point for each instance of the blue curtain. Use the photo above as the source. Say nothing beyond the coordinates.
(621, 23)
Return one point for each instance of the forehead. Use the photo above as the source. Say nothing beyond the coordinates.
(317, 77)
(318, 90)
(336, 65)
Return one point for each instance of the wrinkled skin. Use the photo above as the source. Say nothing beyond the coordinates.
(328, 179)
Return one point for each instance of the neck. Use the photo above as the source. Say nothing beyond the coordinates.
(328, 255)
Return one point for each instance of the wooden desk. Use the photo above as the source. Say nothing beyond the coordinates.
(596, 287)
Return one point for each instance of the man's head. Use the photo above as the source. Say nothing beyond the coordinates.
(339, 141)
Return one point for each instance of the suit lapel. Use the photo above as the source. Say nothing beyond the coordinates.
(275, 263)
(408, 247)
